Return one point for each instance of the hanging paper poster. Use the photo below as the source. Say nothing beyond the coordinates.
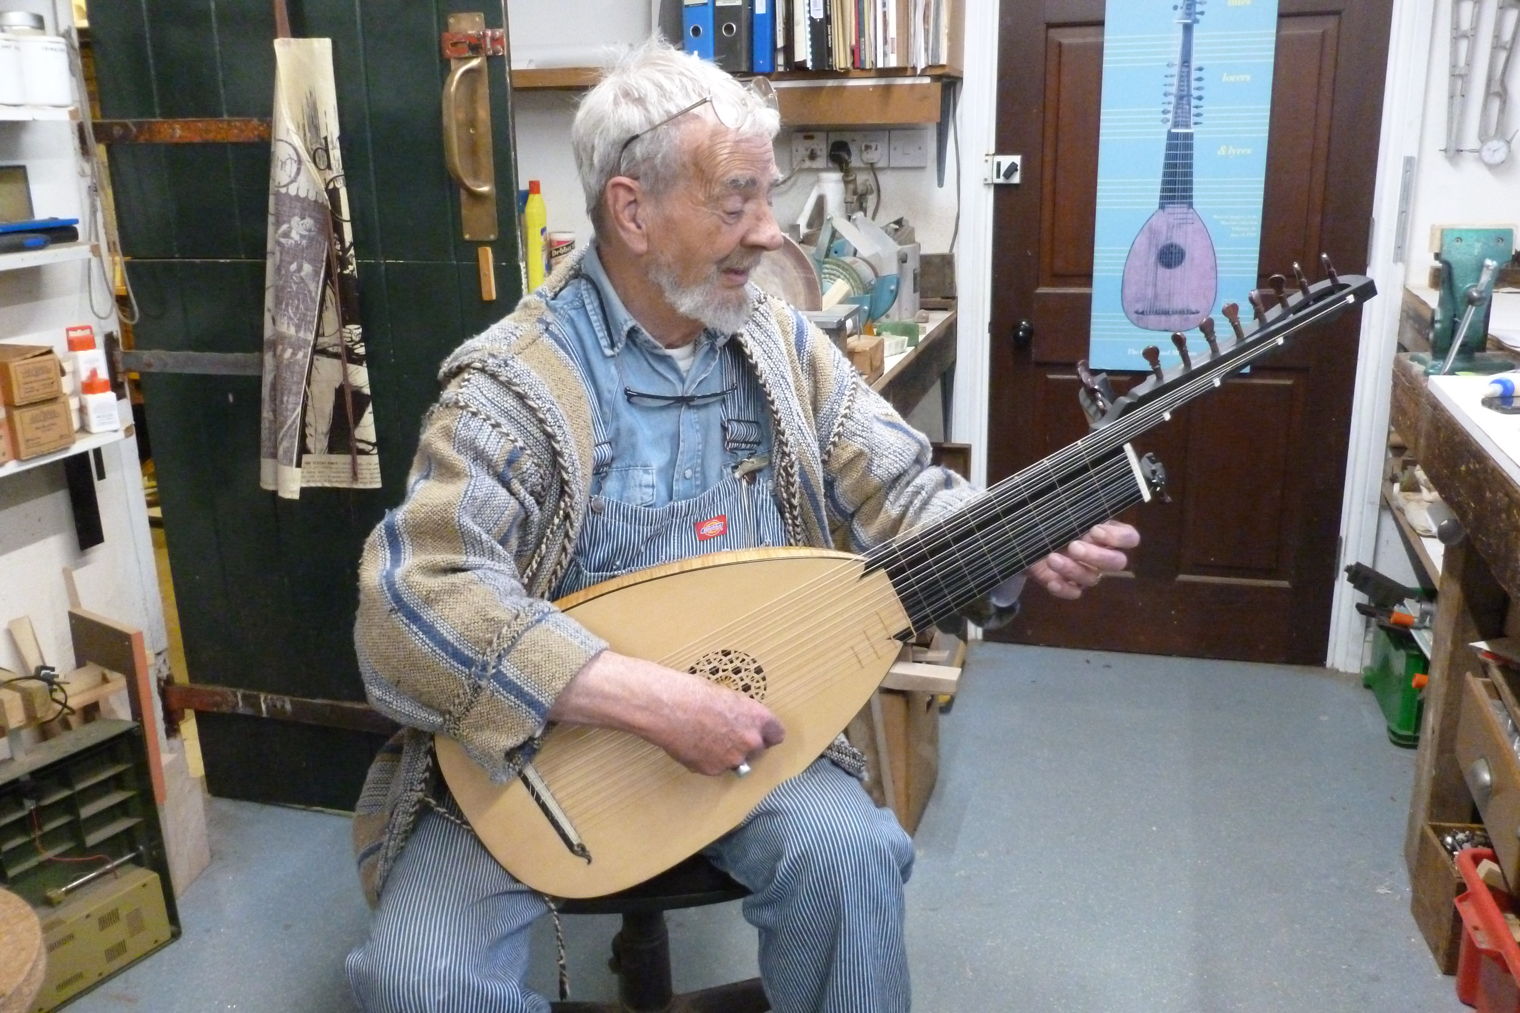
(317, 423)
(1182, 154)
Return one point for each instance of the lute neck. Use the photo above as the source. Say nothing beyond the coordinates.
(1177, 164)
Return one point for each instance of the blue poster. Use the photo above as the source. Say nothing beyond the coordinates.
(1182, 154)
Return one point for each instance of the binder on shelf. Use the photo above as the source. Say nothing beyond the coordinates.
(697, 28)
(762, 59)
(665, 16)
(731, 35)
(819, 25)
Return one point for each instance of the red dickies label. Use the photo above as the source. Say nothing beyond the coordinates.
(713, 527)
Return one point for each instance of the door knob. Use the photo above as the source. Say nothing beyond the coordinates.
(1023, 334)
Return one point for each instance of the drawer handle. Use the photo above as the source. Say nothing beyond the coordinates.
(1480, 781)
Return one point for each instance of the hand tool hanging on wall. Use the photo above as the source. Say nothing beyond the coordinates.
(1494, 134)
(467, 132)
(1464, 24)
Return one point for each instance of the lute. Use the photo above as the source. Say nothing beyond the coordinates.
(1171, 273)
(812, 632)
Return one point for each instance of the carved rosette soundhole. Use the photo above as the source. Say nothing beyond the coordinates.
(734, 670)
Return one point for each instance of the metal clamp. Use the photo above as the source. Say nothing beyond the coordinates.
(486, 42)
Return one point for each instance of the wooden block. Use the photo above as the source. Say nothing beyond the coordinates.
(12, 705)
(916, 677)
(121, 648)
(868, 355)
(184, 820)
(899, 734)
(1492, 876)
(26, 644)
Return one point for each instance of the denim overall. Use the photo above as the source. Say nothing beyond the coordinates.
(681, 464)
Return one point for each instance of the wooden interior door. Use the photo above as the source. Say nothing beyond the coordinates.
(267, 587)
(1242, 562)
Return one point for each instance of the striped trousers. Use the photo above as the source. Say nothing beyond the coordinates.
(824, 865)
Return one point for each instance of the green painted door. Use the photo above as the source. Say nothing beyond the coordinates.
(266, 587)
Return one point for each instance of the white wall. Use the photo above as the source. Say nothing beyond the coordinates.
(37, 541)
(542, 123)
(1458, 189)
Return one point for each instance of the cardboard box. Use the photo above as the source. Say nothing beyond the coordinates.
(6, 454)
(29, 374)
(101, 929)
(38, 429)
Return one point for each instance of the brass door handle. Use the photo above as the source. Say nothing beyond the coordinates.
(456, 117)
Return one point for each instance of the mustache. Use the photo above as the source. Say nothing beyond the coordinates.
(740, 262)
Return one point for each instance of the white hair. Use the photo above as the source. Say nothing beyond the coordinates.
(645, 85)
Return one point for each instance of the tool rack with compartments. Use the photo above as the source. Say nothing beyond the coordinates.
(80, 841)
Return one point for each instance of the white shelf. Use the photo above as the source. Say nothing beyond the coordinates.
(30, 113)
(83, 442)
(47, 255)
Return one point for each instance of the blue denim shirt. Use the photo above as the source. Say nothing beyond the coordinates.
(678, 451)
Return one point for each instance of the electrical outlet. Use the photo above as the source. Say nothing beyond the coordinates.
(809, 150)
(849, 140)
(873, 147)
(909, 149)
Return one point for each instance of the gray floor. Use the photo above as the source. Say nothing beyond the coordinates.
(1110, 833)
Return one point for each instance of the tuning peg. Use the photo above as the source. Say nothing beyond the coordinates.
(1258, 308)
(1153, 356)
(1089, 382)
(1303, 283)
(1280, 289)
(1324, 262)
(1181, 343)
(1207, 327)
(1097, 392)
(1231, 313)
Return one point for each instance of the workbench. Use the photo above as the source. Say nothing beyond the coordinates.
(910, 376)
(1477, 592)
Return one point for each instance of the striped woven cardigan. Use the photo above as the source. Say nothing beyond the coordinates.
(454, 634)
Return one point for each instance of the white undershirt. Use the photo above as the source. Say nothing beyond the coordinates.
(684, 355)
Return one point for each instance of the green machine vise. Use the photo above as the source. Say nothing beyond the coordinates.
(1461, 257)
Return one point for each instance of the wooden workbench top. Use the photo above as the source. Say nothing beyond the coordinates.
(1479, 489)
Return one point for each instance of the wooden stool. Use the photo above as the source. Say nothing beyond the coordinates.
(23, 961)
(641, 951)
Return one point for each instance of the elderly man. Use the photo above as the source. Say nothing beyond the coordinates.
(645, 393)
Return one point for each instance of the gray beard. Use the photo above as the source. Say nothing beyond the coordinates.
(703, 302)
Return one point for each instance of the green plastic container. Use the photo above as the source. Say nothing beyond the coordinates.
(1396, 660)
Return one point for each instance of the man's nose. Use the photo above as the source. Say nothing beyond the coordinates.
(764, 232)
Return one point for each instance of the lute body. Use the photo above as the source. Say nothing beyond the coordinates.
(804, 631)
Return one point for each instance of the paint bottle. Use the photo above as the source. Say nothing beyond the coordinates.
(85, 355)
(97, 405)
(1502, 386)
(47, 79)
(535, 225)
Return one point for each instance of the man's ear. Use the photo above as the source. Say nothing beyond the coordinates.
(628, 212)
